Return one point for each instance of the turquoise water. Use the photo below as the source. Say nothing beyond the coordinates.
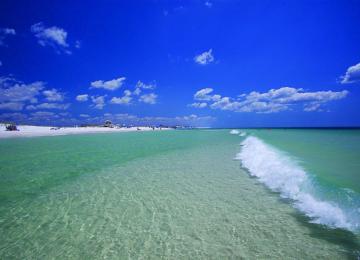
(171, 194)
(329, 160)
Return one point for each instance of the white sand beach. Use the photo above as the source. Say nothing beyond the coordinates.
(32, 131)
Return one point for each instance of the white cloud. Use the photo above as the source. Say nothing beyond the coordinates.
(148, 98)
(275, 100)
(203, 95)
(128, 95)
(291, 95)
(77, 44)
(16, 91)
(41, 114)
(127, 92)
(16, 106)
(125, 100)
(55, 37)
(4, 32)
(84, 115)
(38, 117)
(312, 107)
(208, 4)
(198, 105)
(259, 107)
(142, 85)
(53, 95)
(9, 31)
(352, 74)
(64, 114)
(13, 116)
(137, 91)
(48, 106)
(14, 95)
(204, 58)
(99, 102)
(109, 85)
(191, 120)
(82, 98)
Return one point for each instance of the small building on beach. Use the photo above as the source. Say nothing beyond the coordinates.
(108, 123)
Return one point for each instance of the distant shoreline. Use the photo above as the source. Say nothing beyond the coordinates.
(37, 131)
(295, 127)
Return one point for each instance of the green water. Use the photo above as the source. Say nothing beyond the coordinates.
(332, 155)
(171, 194)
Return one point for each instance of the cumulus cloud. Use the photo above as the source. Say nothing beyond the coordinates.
(148, 98)
(53, 95)
(142, 85)
(13, 93)
(275, 100)
(9, 31)
(127, 92)
(204, 95)
(191, 120)
(352, 75)
(5, 32)
(98, 102)
(16, 106)
(82, 98)
(198, 104)
(38, 117)
(14, 116)
(48, 106)
(41, 114)
(125, 100)
(54, 37)
(204, 58)
(137, 92)
(108, 85)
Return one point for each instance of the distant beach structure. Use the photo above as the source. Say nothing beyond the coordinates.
(11, 127)
(108, 123)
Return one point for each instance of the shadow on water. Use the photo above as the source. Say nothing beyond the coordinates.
(337, 236)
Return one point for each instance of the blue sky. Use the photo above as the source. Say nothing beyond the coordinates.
(201, 63)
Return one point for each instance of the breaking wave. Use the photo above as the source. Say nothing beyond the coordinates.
(234, 132)
(282, 174)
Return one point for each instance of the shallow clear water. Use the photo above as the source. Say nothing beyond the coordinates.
(173, 194)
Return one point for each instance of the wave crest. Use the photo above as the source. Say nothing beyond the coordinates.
(234, 132)
(282, 174)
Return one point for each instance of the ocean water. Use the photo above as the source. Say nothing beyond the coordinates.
(199, 194)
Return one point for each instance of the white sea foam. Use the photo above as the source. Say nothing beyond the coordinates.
(282, 174)
(234, 132)
(242, 134)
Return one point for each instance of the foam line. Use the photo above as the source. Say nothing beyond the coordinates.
(282, 174)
